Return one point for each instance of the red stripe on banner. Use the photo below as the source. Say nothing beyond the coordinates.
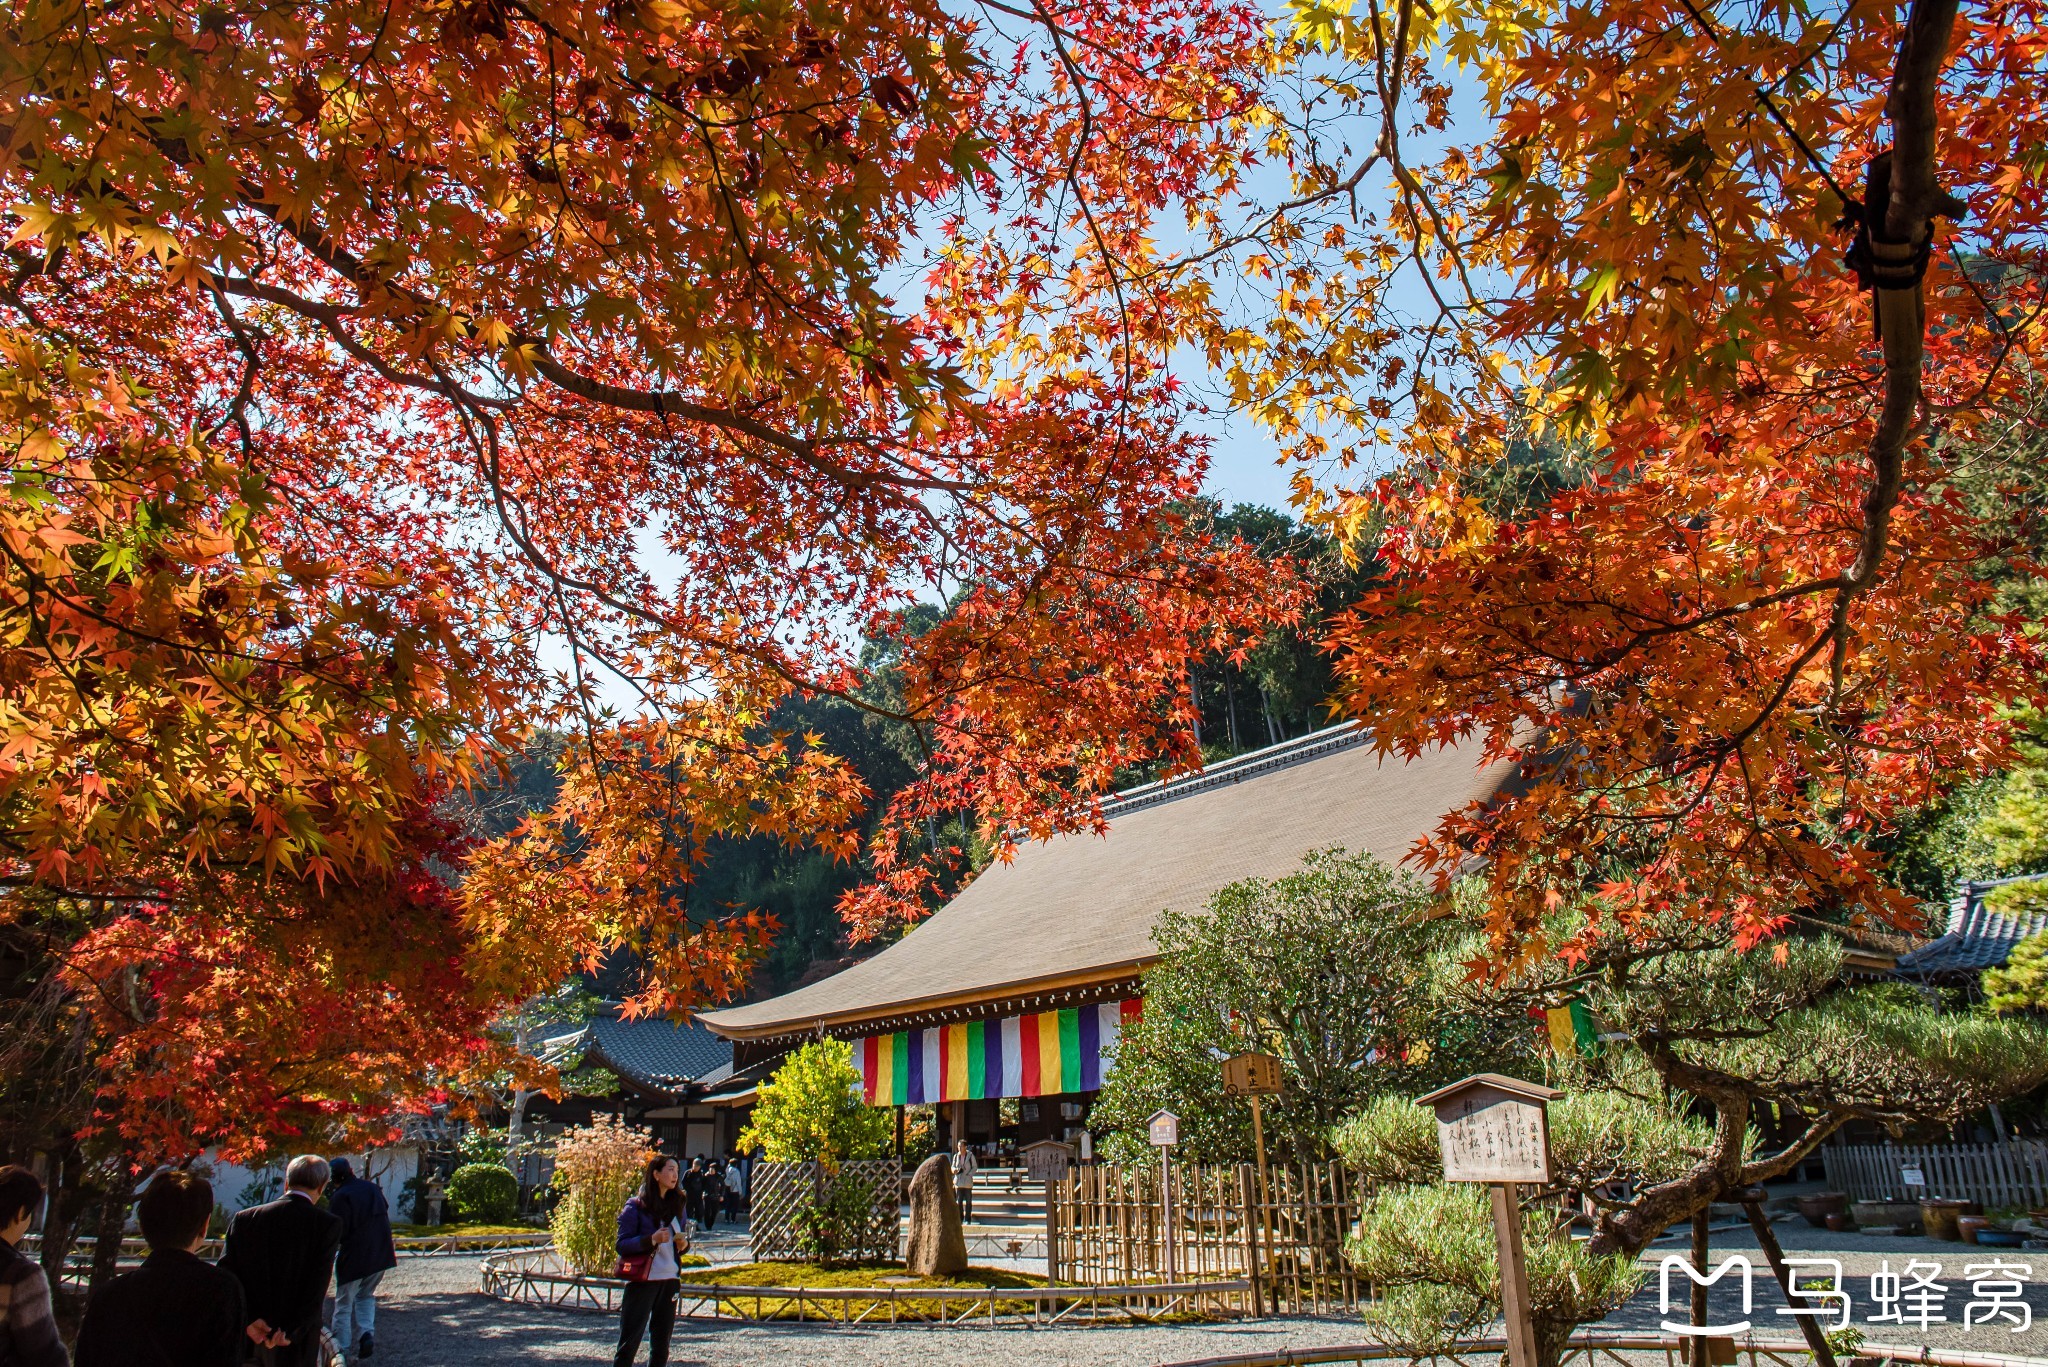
(1027, 1034)
(1128, 1011)
(870, 1057)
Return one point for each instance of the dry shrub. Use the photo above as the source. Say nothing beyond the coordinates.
(597, 1167)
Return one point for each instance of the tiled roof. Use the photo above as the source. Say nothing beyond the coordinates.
(1080, 908)
(655, 1052)
(1977, 937)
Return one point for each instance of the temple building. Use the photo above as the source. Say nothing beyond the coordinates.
(1002, 1008)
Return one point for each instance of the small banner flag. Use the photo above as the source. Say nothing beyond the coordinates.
(1569, 1030)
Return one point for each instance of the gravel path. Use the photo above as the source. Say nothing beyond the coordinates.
(432, 1316)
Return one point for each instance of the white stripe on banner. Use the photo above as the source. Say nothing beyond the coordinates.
(929, 1053)
(1111, 1016)
(1013, 1056)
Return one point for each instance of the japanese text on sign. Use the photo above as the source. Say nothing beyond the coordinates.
(1493, 1138)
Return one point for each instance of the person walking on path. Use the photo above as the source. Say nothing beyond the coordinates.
(963, 1178)
(28, 1329)
(652, 1237)
(367, 1253)
(283, 1255)
(174, 1310)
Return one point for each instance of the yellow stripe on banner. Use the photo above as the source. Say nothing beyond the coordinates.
(885, 1072)
(956, 1063)
(1049, 1080)
(1563, 1042)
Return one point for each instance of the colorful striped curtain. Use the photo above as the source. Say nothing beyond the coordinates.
(1043, 1054)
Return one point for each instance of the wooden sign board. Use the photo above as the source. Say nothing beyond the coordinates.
(1163, 1129)
(1493, 1129)
(1251, 1075)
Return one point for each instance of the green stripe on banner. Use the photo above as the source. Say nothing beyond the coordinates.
(1584, 1032)
(977, 1060)
(899, 1056)
(1070, 1050)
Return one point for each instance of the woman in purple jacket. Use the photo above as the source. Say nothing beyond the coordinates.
(652, 1236)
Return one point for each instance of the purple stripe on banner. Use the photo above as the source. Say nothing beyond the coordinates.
(991, 1060)
(1091, 1048)
(915, 1039)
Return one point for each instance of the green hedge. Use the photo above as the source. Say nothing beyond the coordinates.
(484, 1192)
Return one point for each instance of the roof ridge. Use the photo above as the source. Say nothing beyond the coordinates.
(1236, 768)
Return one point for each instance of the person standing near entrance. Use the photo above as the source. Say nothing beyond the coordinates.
(735, 1190)
(710, 1194)
(283, 1255)
(174, 1310)
(367, 1253)
(964, 1168)
(693, 1190)
(652, 1237)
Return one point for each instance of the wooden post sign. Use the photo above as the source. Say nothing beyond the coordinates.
(1252, 1075)
(1163, 1129)
(1255, 1076)
(1496, 1130)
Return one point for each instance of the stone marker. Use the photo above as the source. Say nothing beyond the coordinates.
(936, 1247)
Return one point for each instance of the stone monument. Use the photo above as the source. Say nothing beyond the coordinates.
(936, 1246)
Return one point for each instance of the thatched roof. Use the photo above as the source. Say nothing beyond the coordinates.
(1079, 910)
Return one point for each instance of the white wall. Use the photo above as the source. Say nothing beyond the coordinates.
(389, 1168)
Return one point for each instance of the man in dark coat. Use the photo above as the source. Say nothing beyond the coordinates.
(367, 1253)
(174, 1310)
(283, 1255)
(693, 1189)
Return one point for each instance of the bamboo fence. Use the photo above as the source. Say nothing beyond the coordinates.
(1106, 1224)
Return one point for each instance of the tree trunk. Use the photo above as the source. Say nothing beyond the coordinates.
(1266, 706)
(72, 1193)
(1230, 710)
(115, 1199)
(515, 1137)
(1700, 1238)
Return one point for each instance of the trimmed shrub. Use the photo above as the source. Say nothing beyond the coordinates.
(486, 1193)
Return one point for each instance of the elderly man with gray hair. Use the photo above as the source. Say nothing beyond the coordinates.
(283, 1255)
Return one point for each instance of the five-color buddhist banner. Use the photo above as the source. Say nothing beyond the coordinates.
(1042, 1054)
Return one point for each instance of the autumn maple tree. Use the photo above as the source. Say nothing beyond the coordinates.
(384, 382)
(1760, 285)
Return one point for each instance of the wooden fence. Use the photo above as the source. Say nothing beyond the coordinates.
(1105, 1226)
(861, 1203)
(1999, 1175)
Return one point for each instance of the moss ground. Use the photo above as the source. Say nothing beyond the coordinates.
(856, 1275)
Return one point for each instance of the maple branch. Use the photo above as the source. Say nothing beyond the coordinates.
(1110, 262)
(345, 263)
(252, 361)
(1899, 234)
